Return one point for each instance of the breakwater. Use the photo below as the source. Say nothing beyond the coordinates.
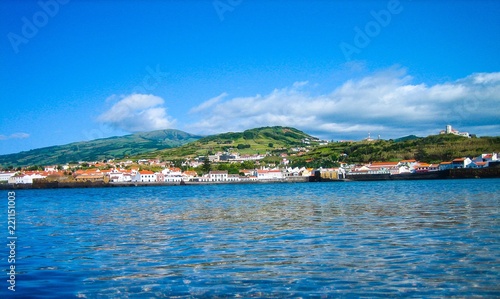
(460, 173)
(101, 184)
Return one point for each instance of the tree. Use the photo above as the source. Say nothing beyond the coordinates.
(248, 135)
(207, 166)
(248, 165)
(243, 146)
(271, 144)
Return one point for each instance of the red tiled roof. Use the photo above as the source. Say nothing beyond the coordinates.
(146, 172)
(422, 165)
(379, 164)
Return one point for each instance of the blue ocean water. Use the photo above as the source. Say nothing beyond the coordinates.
(429, 239)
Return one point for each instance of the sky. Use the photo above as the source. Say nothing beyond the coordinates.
(76, 70)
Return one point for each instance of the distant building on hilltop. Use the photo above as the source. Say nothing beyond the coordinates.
(369, 138)
(450, 130)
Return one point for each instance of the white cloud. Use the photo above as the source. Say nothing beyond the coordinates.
(388, 103)
(207, 104)
(136, 113)
(19, 135)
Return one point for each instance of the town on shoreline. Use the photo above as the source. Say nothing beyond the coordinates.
(108, 174)
(234, 167)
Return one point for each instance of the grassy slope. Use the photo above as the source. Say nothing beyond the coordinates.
(435, 148)
(173, 144)
(100, 149)
(258, 139)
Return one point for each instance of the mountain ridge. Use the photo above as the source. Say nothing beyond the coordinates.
(115, 147)
(251, 141)
(178, 145)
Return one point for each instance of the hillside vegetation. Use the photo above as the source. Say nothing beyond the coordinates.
(253, 141)
(431, 149)
(177, 145)
(100, 149)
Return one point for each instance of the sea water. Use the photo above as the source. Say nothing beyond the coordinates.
(436, 238)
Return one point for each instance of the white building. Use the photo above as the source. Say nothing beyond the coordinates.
(25, 178)
(450, 130)
(119, 176)
(486, 158)
(5, 176)
(233, 178)
(460, 162)
(218, 176)
(147, 176)
(173, 178)
(273, 174)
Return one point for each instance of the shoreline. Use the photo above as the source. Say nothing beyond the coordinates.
(463, 173)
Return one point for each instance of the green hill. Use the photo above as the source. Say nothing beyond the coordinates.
(406, 138)
(434, 148)
(174, 144)
(258, 140)
(100, 149)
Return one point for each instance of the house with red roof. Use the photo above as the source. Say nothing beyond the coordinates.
(147, 176)
(189, 174)
(460, 163)
(421, 167)
(474, 164)
(493, 157)
(445, 165)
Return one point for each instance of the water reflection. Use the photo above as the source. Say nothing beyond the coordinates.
(422, 239)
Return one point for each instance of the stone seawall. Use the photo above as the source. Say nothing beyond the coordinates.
(101, 184)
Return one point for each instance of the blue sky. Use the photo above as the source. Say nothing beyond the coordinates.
(74, 70)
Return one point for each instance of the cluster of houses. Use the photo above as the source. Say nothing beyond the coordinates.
(413, 166)
(167, 175)
(176, 175)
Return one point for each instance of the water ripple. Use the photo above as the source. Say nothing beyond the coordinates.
(363, 239)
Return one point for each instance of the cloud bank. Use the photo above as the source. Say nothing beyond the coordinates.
(19, 135)
(388, 103)
(137, 113)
